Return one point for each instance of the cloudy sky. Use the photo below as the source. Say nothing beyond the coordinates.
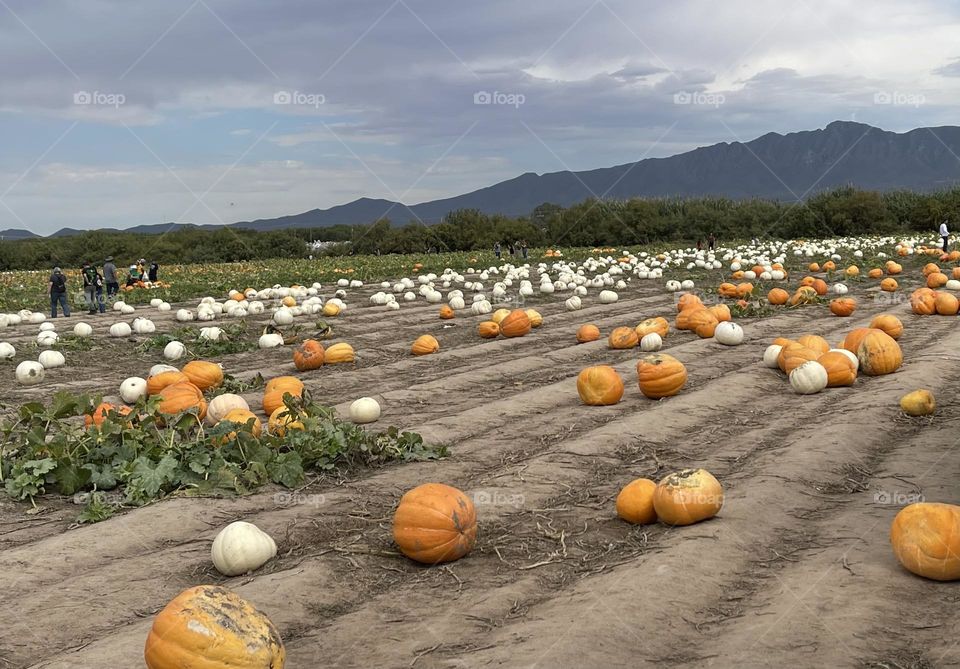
(116, 113)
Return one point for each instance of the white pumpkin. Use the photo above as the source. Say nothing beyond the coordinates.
(673, 286)
(608, 297)
(133, 389)
(212, 333)
(651, 342)
(283, 316)
(161, 368)
(120, 330)
(47, 327)
(36, 318)
(729, 333)
(127, 309)
(771, 356)
(7, 351)
(808, 378)
(29, 372)
(364, 410)
(223, 404)
(952, 284)
(82, 330)
(241, 547)
(270, 340)
(840, 289)
(50, 359)
(47, 338)
(164, 306)
(184, 315)
(144, 326)
(174, 350)
(573, 303)
(156, 302)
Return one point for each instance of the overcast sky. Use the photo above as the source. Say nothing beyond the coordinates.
(116, 113)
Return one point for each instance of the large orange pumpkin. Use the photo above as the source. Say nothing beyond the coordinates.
(635, 502)
(879, 353)
(778, 296)
(931, 268)
(308, 355)
(275, 390)
(889, 285)
(446, 312)
(875, 273)
(727, 290)
(946, 304)
(623, 337)
(660, 375)
(599, 386)
(793, 355)
(180, 397)
(926, 540)
(704, 323)
(893, 267)
(242, 417)
(843, 306)
(158, 382)
(282, 420)
(435, 523)
(889, 324)
(210, 627)
(923, 302)
(803, 295)
(339, 353)
(814, 342)
(687, 497)
(820, 286)
(204, 375)
(852, 341)
(721, 312)
(425, 345)
(488, 329)
(688, 301)
(588, 332)
(840, 369)
(516, 324)
(936, 280)
(685, 318)
(659, 325)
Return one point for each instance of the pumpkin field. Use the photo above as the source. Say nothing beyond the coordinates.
(442, 465)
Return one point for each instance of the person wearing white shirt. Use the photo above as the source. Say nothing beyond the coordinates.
(945, 235)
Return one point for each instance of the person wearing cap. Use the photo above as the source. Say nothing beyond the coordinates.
(57, 290)
(110, 277)
(132, 276)
(90, 279)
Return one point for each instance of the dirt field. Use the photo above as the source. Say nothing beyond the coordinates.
(796, 571)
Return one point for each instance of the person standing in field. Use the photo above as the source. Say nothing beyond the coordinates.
(944, 235)
(496, 250)
(110, 277)
(132, 276)
(57, 290)
(699, 244)
(99, 285)
(153, 272)
(89, 274)
(523, 249)
(711, 242)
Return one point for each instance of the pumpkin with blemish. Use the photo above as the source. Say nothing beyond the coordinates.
(435, 523)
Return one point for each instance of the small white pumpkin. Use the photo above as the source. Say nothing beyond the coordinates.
(651, 342)
(729, 333)
(573, 303)
(144, 326)
(161, 368)
(164, 306)
(47, 327)
(608, 297)
(241, 547)
(772, 355)
(120, 330)
(29, 372)
(809, 378)
(50, 359)
(184, 315)
(47, 338)
(174, 351)
(364, 410)
(270, 340)
(223, 404)
(82, 330)
(7, 351)
(212, 333)
(283, 316)
(127, 309)
(133, 389)
(840, 289)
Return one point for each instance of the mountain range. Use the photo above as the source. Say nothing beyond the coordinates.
(774, 166)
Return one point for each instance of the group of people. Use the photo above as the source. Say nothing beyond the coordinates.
(513, 248)
(95, 282)
(711, 243)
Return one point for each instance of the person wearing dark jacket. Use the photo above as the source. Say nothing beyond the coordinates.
(153, 272)
(57, 289)
(110, 277)
(90, 275)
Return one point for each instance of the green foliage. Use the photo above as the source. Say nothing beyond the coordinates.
(145, 456)
(232, 340)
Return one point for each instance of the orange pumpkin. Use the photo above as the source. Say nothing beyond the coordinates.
(721, 312)
(704, 323)
(516, 324)
(778, 296)
(820, 286)
(744, 289)
(659, 325)
(660, 375)
(807, 281)
(926, 540)
(843, 306)
(488, 329)
(852, 341)
(599, 386)
(100, 414)
(803, 295)
(889, 285)
(829, 266)
(180, 397)
(158, 382)
(879, 354)
(204, 375)
(685, 318)
(814, 343)
(338, 353)
(875, 273)
(931, 268)
(635, 502)
(936, 280)
(727, 290)
(622, 337)
(889, 324)
(282, 420)
(435, 523)
(687, 497)
(840, 369)
(211, 627)
(278, 387)
(893, 267)
(308, 355)
(536, 319)
(689, 301)
(813, 267)
(446, 312)
(946, 304)
(955, 273)
(923, 302)
(793, 355)
(242, 417)
(425, 345)
(588, 332)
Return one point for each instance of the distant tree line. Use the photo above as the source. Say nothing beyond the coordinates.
(843, 211)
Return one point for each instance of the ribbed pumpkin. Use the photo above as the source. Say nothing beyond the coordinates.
(889, 285)
(841, 370)
(516, 324)
(879, 353)
(704, 323)
(276, 388)
(946, 304)
(446, 312)
(923, 302)
(893, 267)
(425, 345)
(488, 329)
(687, 497)
(744, 289)
(338, 353)
(689, 301)
(931, 268)
(621, 338)
(803, 295)
(308, 355)
(435, 523)
(242, 417)
(721, 312)
(778, 296)
(536, 320)
(209, 627)
(498, 315)
(588, 332)
(727, 290)
(937, 280)
(158, 382)
(659, 325)
(635, 502)
(685, 318)
(852, 341)
(660, 375)
(814, 342)
(843, 306)
(180, 397)
(599, 386)
(889, 324)
(829, 266)
(204, 375)
(793, 355)
(926, 540)
(99, 414)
